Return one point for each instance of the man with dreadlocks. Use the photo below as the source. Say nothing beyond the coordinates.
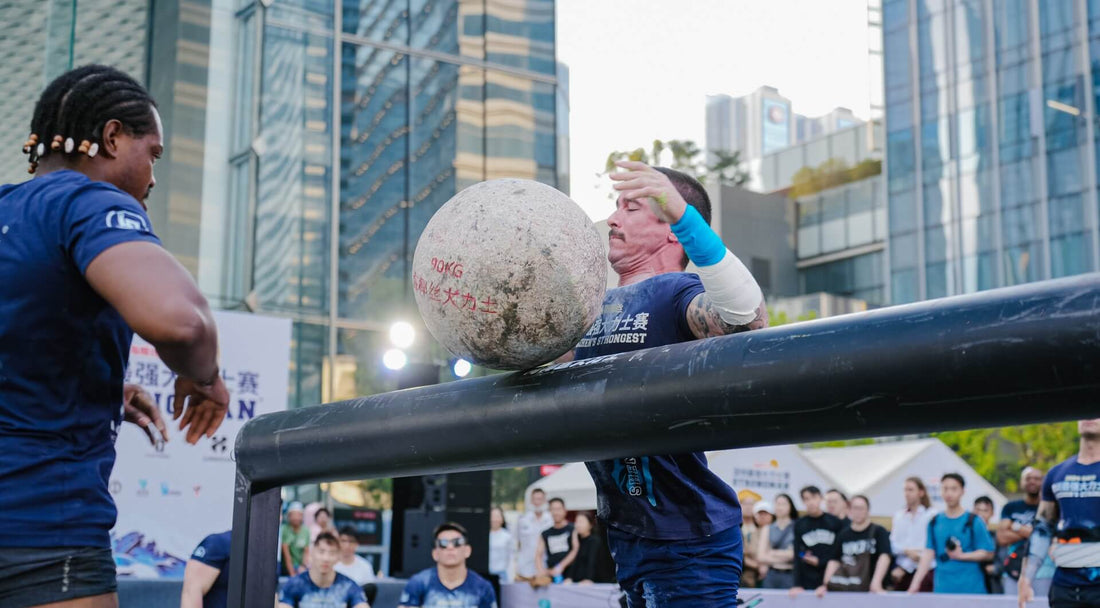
(82, 271)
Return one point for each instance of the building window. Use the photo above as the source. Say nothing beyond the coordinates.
(762, 272)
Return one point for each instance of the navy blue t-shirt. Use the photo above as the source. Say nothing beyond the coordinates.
(425, 590)
(214, 552)
(301, 592)
(63, 351)
(1076, 489)
(667, 497)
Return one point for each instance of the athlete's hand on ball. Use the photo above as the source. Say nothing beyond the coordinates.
(139, 408)
(205, 405)
(642, 182)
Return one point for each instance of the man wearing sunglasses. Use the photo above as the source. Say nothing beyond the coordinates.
(450, 584)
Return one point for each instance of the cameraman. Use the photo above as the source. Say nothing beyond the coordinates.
(958, 541)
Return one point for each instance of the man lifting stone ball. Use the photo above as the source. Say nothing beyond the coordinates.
(673, 525)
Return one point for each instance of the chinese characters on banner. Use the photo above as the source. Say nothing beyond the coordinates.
(171, 496)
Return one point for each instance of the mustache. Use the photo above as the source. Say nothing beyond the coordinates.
(615, 233)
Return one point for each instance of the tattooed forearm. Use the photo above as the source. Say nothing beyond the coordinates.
(705, 322)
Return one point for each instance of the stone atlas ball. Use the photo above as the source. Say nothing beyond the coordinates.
(509, 274)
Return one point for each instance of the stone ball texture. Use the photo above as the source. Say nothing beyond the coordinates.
(509, 274)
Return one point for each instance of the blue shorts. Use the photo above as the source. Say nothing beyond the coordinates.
(700, 573)
(32, 576)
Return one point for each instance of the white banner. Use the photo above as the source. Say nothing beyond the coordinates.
(169, 499)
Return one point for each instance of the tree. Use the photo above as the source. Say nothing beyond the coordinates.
(1000, 454)
(727, 169)
(830, 174)
(509, 486)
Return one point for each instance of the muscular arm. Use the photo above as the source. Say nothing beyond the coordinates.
(1048, 515)
(881, 568)
(1007, 536)
(705, 321)
(198, 578)
(568, 559)
(159, 300)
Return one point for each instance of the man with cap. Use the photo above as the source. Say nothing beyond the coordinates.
(294, 541)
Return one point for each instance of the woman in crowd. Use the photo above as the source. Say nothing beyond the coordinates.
(591, 565)
(777, 545)
(322, 522)
(501, 545)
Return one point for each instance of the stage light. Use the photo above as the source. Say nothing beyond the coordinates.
(394, 359)
(402, 334)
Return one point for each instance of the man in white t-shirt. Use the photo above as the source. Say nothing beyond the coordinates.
(531, 525)
(351, 564)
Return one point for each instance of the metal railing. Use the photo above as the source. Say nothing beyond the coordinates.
(1017, 355)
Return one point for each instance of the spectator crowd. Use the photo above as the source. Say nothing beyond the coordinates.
(833, 545)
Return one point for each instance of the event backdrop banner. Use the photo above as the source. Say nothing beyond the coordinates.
(171, 496)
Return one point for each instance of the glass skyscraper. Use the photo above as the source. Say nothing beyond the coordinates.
(991, 142)
(309, 142)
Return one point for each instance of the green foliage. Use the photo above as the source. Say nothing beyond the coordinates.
(1000, 454)
(508, 487)
(830, 174)
(776, 319)
(377, 493)
(685, 156)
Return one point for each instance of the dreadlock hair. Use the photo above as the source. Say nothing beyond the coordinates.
(76, 106)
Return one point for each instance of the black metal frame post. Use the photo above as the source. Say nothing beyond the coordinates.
(1018, 355)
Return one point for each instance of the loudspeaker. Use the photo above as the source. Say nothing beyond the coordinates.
(422, 503)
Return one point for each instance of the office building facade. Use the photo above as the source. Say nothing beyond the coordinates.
(309, 142)
(991, 165)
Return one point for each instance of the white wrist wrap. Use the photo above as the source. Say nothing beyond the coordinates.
(731, 289)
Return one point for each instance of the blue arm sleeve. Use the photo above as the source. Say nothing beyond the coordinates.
(701, 244)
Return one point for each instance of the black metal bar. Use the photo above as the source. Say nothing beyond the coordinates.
(1024, 354)
(254, 545)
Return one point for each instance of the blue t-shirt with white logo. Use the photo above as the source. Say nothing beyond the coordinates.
(427, 591)
(1076, 489)
(214, 552)
(301, 592)
(666, 497)
(953, 576)
(63, 352)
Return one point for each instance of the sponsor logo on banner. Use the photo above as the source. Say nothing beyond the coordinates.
(166, 509)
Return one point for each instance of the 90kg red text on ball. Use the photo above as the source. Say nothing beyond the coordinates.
(442, 266)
